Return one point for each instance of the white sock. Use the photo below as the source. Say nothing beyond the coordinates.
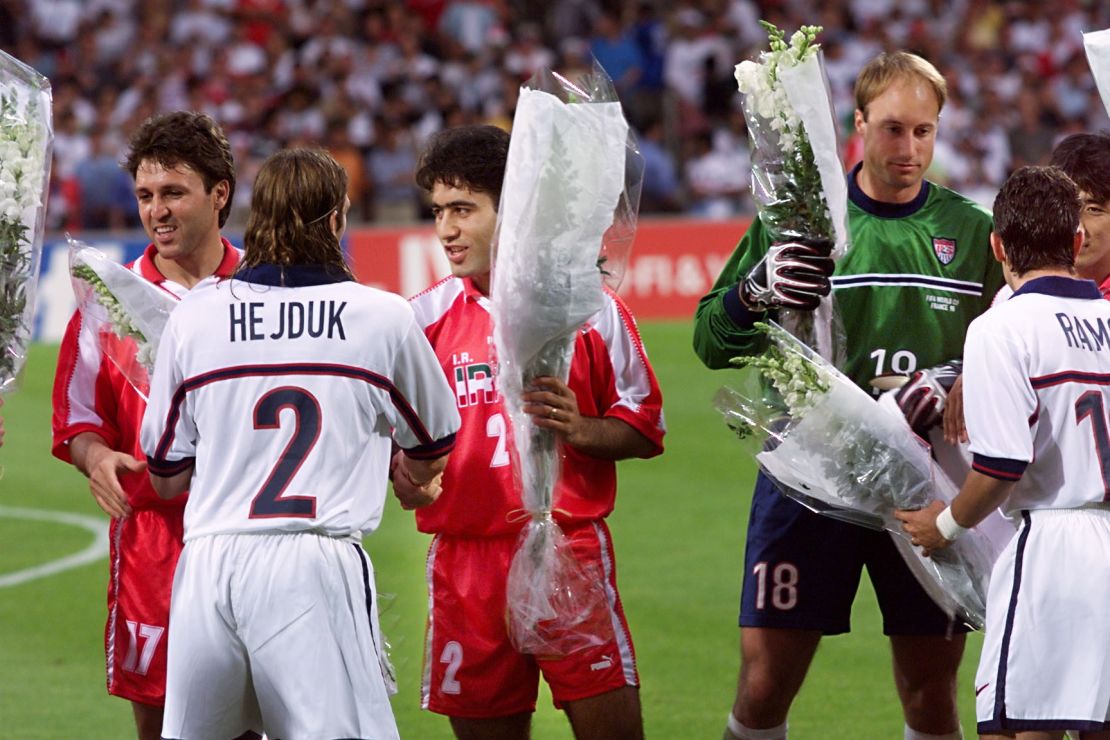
(912, 734)
(740, 732)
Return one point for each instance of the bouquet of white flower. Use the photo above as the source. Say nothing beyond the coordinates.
(1097, 46)
(123, 310)
(798, 182)
(565, 220)
(26, 136)
(834, 449)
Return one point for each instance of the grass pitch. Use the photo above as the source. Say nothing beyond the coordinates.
(678, 530)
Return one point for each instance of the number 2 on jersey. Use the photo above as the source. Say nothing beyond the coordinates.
(495, 428)
(1090, 406)
(269, 502)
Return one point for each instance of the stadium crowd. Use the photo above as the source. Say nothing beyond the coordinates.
(372, 79)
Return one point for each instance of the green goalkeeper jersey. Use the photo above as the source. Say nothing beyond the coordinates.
(914, 277)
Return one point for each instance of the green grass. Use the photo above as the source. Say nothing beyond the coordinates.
(678, 530)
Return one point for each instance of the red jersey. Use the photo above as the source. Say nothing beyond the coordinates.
(92, 395)
(610, 376)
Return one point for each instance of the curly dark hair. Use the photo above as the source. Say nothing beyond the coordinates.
(189, 138)
(294, 194)
(471, 157)
(1036, 214)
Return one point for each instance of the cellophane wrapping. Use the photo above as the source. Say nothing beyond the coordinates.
(798, 182)
(831, 447)
(26, 140)
(565, 224)
(124, 311)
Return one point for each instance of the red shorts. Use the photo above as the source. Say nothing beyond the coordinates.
(144, 551)
(472, 670)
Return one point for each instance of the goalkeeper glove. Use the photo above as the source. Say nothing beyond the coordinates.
(922, 397)
(791, 275)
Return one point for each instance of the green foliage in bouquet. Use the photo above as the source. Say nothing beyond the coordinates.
(21, 182)
(799, 206)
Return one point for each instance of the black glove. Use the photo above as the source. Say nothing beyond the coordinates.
(922, 398)
(792, 275)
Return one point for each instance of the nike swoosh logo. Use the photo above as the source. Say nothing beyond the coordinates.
(980, 689)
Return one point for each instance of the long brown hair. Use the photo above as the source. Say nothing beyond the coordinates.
(294, 195)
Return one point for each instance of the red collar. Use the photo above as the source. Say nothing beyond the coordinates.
(1104, 287)
(470, 290)
(224, 270)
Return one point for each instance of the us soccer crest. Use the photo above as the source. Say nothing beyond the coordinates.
(945, 249)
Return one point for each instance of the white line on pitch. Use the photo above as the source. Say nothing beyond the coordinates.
(95, 551)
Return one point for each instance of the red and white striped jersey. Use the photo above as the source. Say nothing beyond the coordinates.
(610, 375)
(1037, 394)
(286, 387)
(92, 395)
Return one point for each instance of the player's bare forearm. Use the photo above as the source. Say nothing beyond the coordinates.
(979, 496)
(554, 406)
(609, 439)
(174, 485)
(103, 465)
(86, 448)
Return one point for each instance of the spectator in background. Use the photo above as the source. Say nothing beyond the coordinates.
(186, 58)
(472, 23)
(104, 189)
(716, 180)
(390, 166)
(649, 32)
(617, 53)
(527, 54)
(661, 191)
(1031, 138)
(351, 160)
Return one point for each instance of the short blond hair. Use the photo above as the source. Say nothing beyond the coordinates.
(876, 76)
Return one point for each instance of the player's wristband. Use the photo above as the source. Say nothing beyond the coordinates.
(947, 526)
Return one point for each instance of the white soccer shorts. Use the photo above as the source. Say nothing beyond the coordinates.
(1046, 652)
(276, 632)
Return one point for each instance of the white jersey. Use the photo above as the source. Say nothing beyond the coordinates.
(286, 400)
(1037, 394)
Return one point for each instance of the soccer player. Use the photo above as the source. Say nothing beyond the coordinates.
(918, 271)
(1037, 382)
(275, 400)
(184, 181)
(1085, 158)
(610, 409)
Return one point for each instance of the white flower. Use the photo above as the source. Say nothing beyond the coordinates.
(23, 165)
(10, 210)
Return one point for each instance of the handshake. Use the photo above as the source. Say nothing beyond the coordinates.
(792, 275)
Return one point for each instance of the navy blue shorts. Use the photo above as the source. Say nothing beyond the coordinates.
(802, 571)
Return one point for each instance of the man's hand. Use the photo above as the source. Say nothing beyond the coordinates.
(104, 467)
(792, 275)
(553, 405)
(410, 494)
(921, 526)
(955, 430)
(922, 399)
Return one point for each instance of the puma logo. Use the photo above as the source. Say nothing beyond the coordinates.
(605, 662)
